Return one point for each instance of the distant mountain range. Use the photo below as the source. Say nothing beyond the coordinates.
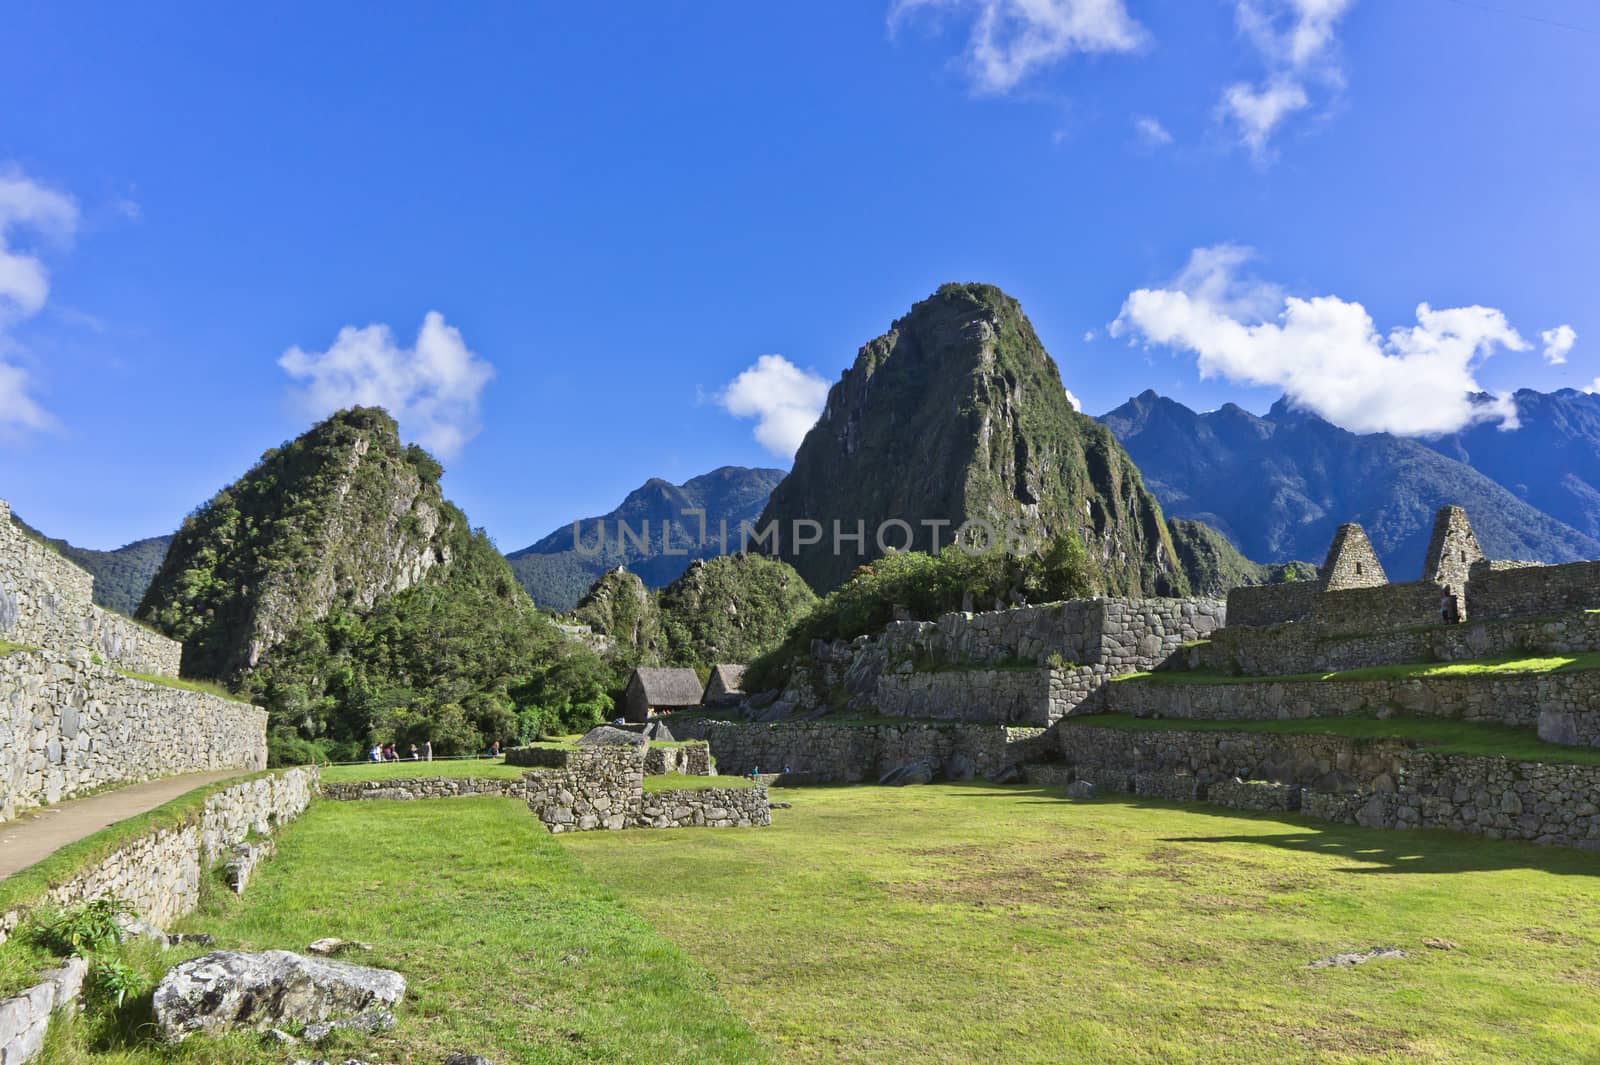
(659, 514)
(1278, 485)
(120, 576)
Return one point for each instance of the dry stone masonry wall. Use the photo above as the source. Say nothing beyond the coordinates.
(68, 726)
(47, 602)
(826, 752)
(158, 874)
(1532, 590)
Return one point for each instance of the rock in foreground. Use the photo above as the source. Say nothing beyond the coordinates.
(232, 989)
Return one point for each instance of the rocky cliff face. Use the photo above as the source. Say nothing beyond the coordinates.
(958, 413)
(345, 515)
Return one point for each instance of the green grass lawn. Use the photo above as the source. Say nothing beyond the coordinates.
(510, 948)
(1439, 735)
(1481, 667)
(969, 924)
(492, 768)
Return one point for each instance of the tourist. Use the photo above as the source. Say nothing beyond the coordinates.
(414, 756)
(374, 755)
(427, 750)
(1449, 613)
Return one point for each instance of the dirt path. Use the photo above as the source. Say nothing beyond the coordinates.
(40, 833)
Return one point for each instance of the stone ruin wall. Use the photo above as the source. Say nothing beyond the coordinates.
(585, 789)
(68, 726)
(1292, 649)
(1526, 591)
(825, 752)
(1271, 604)
(47, 602)
(1557, 704)
(1371, 783)
(158, 874)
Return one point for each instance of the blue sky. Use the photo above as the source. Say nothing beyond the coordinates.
(599, 218)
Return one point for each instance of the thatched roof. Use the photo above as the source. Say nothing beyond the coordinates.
(726, 680)
(668, 687)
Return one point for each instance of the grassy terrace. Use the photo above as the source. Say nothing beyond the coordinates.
(1482, 668)
(941, 924)
(490, 768)
(1429, 733)
(187, 685)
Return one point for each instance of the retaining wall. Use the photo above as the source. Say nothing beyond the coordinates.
(706, 808)
(1271, 604)
(1372, 783)
(68, 725)
(1493, 592)
(1287, 649)
(1520, 700)
(1375, 609)
(850, 754)
(47, 602)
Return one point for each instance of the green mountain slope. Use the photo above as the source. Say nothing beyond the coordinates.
(663, 517)
(958, 413)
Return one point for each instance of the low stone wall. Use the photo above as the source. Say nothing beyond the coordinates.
(47, 602)
(1376, 609)
(1287, 649)
(850, 754)
(1374, 783)
(691, 760)
(705, 808)
(68, 726)
(1531, 590)
(1271, 604)
(25, 1019)
(1239, 794)
(1520, 700)
(158, 874)
(407, 789)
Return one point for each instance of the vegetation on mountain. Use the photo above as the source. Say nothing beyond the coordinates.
(726, 609)
(121, 576)
(335, 585)
(957, 414)
(664, 534)
(731, 609)
(1214, 565)
(1278, 486)
(917, 586)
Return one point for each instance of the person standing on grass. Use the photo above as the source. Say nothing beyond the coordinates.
(413, 752)
(427, 749)
(374, 755)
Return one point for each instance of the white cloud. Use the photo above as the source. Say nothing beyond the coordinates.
(1558, 343)
(1297, 40)
(26, 208)
(431, 388)
(1011, 39)
(784, 399)
(1089, 337)
(1325, 352)
(1073, 399)
(1151, 131)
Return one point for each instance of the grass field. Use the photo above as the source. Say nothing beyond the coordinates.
(979, 924)
(1503, 666)
(492, 768)
(949, 923)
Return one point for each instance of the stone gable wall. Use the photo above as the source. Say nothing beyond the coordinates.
(824, 752)
(68, 726)
(1532, 590)
(47, 602)
(1518, 700)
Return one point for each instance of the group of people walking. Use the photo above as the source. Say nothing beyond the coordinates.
(391, 753)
